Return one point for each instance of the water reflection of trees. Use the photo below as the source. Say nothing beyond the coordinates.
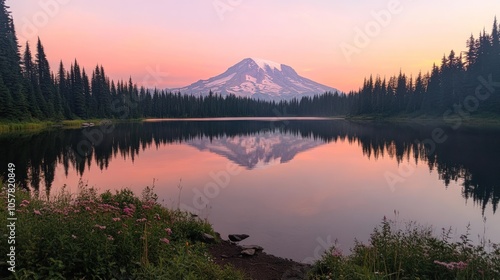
(466, 155)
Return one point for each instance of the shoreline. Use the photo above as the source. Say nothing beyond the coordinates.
(36, 126)
(247, 119)
(261, 265)
(479, 121)
(144, 238)
(482, 121)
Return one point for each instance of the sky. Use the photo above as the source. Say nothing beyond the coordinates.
(169, 44)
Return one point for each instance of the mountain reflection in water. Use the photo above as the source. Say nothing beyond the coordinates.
(468, 155)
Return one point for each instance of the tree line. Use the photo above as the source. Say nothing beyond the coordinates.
(463, 83)
(30, 90)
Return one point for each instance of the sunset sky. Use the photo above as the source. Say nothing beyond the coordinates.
(166, 43)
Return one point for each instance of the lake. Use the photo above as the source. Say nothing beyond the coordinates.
(294, 185)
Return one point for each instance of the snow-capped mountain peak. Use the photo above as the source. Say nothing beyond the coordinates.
(263, 64)
(260, 79)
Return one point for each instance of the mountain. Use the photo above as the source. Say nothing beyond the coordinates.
(260, 150)
(260, 79)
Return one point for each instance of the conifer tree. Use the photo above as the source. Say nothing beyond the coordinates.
(45, 81)
(90, 102)
(77, 91)
(63, 87)
(33, 96)
(10, 69)
(5, 102)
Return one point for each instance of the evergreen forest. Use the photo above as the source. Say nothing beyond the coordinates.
(465, 82)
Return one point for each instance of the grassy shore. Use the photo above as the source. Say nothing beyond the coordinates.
(122, 236)
(17, 126)
(42, 125)
(107, 236)
(478, 120)
(411, 251)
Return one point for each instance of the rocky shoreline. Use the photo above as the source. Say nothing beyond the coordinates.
(254, 262)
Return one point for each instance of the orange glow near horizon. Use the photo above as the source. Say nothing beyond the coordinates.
(184, 42)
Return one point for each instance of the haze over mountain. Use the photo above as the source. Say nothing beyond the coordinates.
(260, 79)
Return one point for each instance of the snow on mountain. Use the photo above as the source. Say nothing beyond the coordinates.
(260, 79)
(260, 150)
(266, 63)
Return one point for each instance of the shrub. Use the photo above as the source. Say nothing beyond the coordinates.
(410, 253)
(107, 236)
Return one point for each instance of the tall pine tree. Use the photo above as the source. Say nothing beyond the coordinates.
(45, 81)
(10, 69)
(32, 89)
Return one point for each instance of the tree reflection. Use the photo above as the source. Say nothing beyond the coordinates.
(469, 155)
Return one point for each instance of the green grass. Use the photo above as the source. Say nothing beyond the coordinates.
(78, 123)
(411, 253)
(42, 125)
(18, 126)
(107, 236)
(122, 236)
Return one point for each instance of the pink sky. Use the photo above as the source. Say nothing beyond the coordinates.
(166, 43)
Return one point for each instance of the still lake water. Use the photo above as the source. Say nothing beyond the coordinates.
(295, 186)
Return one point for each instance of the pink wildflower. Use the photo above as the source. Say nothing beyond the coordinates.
(110, 238)
(164, 240)
(116, 219)
(460, 265)
(157, 216)
(336, 252)
(128, 211)
(87, 208)
(169, 231)
(452, 265)
(141, 220)
(37, 212)
(24, 203)
(100, 227)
